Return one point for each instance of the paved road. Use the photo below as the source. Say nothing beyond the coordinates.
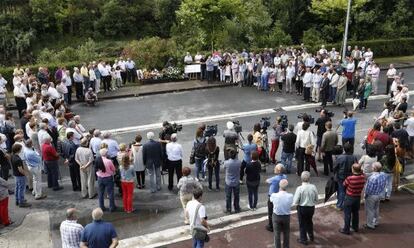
(163, 209)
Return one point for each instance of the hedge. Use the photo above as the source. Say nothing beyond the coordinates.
(381, 48)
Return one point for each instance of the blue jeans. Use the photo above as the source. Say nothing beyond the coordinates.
(199, 168)
(253, 195)
(388, 186)
(106, 183)
(287, 161)
(341, 194)
(351, 213)
(20, 189)
(198, 243)
(263, 84)
(236, 191)
(332, 94)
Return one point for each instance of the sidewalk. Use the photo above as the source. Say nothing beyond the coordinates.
(396, 229)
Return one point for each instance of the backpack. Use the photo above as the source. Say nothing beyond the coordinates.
(200, 148)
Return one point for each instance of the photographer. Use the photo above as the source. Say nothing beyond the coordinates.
(231, 139)
(321, 129)
(278, 130)
(164, 138)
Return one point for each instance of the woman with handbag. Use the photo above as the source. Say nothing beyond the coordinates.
(304, 141)
(197, 215)
(186, 187)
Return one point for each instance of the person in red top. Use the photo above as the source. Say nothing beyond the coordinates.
(384, 137)
(50, 159)
(354, 185)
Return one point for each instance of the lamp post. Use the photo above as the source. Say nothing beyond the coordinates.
(346, 29)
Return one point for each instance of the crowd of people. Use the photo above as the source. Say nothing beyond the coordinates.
(49, 134)
(86, 81)
(321, 77)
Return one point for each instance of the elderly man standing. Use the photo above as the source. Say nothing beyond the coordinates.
(354, 185)
(72, 128)
(50, 159)
(99, 234)
(274, 188)
(71, 230)
(373, 190)
(84, 158)
(174, 162)
(95, 142)
(306, 197)
(151, 154)
(282, 202)
(34, 164)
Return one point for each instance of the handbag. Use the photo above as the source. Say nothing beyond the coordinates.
(199, 232)
(398, 167)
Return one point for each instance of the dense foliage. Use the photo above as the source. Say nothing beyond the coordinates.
(28, 26)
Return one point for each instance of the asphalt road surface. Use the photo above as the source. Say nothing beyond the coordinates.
(163, 210)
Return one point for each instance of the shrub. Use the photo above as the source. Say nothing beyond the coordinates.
(151, 52)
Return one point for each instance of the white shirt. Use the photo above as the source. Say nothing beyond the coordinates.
(350, 67)
(16, 80)
(174, 151)
(76, 135)
(368, 56)
(130, 64)
(304, 138)
(103, 70)
(53, 93)
(95, 144)
(3, 83)
(409, 123)
(68, 80)
(290, 72)
(191, 210)
(307, 79)
(121, 64)
(334, 80)
(277, 61)
(17, 92)
(316, 80)
(391, 73)
(92, 75)
(375, 71)
(42, 135)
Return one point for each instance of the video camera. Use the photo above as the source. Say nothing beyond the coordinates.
(211, 130)
(306, 117)
(264, 123)
(328, 113)
(171, 128)
(237, 127)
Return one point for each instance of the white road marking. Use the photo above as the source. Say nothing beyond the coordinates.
(229, 116)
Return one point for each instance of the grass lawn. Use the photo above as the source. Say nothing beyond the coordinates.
(395, 60)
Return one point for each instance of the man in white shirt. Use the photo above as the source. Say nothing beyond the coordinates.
(282, 203)
(391, 73)
(196, 213)
(70, 230)
(277, 60)
(3, 89)
(333, 86)
(188, 59)
(174, 160)
(106, 76)
(95, 142)
(368, 55)
(290, 73)
(122, 65)
(130, 66)
(307, 84)
(76, 135)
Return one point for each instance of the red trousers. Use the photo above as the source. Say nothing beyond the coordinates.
(4, 211)
(127, 195)
(273, 150)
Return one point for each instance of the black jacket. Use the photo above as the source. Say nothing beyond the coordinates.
(152, 153)
(289, 141)
(253, 173)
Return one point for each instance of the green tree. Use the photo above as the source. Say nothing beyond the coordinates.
(294, 15)
(209, 15)
(110, 23)
(312, 38)
(165, 17)
(42, 14)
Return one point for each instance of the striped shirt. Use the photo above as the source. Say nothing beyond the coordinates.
(354, 185)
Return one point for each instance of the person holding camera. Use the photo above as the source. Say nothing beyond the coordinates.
(247, 158)
(348, 128)
(231, 139)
